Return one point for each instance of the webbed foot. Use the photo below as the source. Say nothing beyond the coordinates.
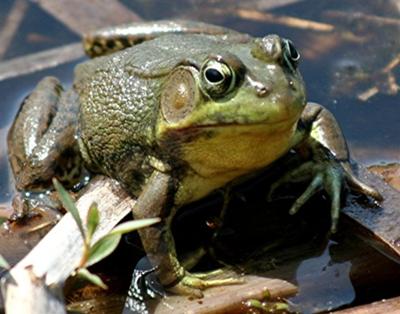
(330, 176)
(193, 284)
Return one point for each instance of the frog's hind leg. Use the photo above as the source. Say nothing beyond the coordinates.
(116, 38)
(41, 141)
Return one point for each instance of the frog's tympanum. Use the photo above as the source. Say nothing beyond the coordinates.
(174, 111)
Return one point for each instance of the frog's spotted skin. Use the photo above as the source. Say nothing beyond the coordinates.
(191, 109)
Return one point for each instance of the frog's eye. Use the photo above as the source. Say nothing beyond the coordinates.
(290, 54)
(218, 78)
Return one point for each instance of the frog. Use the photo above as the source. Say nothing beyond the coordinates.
(175, 110)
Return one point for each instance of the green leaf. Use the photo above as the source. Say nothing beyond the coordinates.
(134, 225)
(102, 248)
(4, 263)
(280, 306)
(69, 205)
(94, 279)
(92, 221)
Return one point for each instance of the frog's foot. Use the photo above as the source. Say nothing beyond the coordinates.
(328, 175)
(193, 284)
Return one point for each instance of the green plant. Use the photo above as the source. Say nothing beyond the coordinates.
(100, 249)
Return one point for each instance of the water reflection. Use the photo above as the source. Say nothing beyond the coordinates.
(339, 290)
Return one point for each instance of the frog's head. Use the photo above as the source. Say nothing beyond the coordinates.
(235, 109)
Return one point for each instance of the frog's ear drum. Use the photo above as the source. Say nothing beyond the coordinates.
(180, 95)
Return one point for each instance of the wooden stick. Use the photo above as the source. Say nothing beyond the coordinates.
(58, 254)
(40, 61)
(390, 306)
(277, 19)
(375, 19)
(11, 25)
(85, 16)
(378, 226)
(228, 299)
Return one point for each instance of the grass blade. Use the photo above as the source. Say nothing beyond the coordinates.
(4, 263)
(94, 279)
(92, 221)
(102, 248)
(69, 205)
(134, 225)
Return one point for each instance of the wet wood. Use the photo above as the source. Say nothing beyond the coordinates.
(390, 306)
(267, 4)
(227, 299)
(389, 172)
(11, 24)
(369, 93)
(379, 226)
(59, 252)
(85, 16)
(40, 61)
(393, 87)
(289, 21)
(351, 16)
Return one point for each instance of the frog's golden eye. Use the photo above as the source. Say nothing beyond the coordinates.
(218, 78)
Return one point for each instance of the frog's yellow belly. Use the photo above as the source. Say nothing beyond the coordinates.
(228, 152)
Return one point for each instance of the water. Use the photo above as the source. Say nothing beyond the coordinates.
(337, 67)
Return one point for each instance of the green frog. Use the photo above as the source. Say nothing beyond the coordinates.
(175, 110)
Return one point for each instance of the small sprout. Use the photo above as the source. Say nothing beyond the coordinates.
(107, 244)
(4, 263)
(133, 225)
(102, 248)
(280, 306)
(69, 205)
(94, 279)
(254, 303)
(266, 295)
(92, 221)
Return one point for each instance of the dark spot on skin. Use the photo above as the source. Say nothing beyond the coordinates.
(125, 42)
(110, 44)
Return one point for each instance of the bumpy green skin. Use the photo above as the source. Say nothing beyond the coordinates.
(120, 103)
(150, 118)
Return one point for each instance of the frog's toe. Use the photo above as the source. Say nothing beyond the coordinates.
(361, 187)
(314, 187)
(193, 284)
(298, 174)
(328, 176)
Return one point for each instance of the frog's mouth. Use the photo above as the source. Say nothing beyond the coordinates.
(289, 122)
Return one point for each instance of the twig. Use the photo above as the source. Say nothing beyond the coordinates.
(40, 61)
(384, 306)
(85, 16)
(393, 86)
(281, 19)
(11, 25)
(380, 20)
(370, 92)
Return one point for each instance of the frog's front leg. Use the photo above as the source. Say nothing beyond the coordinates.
(41, 141)
(157, 200)
(112, 39)
(319, 136)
